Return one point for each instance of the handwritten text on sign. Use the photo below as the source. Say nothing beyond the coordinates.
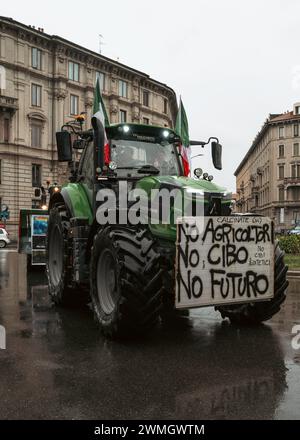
(225, 260)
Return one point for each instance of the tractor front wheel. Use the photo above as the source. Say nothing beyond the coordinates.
(125, 281)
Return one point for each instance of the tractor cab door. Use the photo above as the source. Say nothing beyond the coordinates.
(86, 171)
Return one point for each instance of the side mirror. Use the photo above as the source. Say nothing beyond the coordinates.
(216, 152)
(37, 192)
(64, 146)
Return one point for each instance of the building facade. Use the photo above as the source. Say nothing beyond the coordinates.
(268, 178)
(44, 81)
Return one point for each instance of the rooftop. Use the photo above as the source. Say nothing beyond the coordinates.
(56, 39)
(273, 119)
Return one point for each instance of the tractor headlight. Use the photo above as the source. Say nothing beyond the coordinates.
(112, 165)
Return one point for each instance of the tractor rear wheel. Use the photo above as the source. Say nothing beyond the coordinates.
(258, 312)
(125, 281)
(57, 248)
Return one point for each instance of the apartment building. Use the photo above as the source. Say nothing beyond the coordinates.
(268, 178)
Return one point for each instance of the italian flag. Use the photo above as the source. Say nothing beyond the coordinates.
(99, 112)
(182, 129)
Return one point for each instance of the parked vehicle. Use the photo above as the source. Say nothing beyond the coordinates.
(4, 238)
(294, 231)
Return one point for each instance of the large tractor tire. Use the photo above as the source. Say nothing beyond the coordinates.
(258, 312)
(57, 248)
(126, 283)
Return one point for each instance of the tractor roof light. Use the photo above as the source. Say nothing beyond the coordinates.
(166, 134)
(210, 178)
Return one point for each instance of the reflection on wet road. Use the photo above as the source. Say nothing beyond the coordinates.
(57, 364)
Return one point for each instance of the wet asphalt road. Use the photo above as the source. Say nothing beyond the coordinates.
(58, 366)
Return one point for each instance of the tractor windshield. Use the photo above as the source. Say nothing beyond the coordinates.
(131, 156)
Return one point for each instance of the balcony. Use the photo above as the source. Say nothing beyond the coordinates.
(286, 204)
(8, 104)
(291, 181)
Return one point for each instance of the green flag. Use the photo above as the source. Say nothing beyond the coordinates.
(182, 126)
(99, 107)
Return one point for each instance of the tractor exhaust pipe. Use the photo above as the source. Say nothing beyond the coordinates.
(98, 145)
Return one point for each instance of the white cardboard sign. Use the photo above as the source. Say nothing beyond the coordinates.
(224, 260)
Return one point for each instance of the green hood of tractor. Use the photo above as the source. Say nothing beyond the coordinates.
(186, 186)
(155, 182)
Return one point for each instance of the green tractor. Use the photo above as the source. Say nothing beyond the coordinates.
(102, 246)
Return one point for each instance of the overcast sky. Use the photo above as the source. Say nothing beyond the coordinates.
(233, 62)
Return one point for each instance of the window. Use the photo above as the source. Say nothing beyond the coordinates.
(281, 132)
(281, 151)
(101, 77)
(36, 135)
(281, 194)
(123, 88)
(36, 58)
(6, 130)
(295, 170)
(297, 110)
(0, 176)
(35, 204)
(74, 104)
(296, 149)
(296, 130)
(36, 175)
(146, 121)
(123, 116)
(165, 106)
(146, 98)
(73, 71)
(36, 95)
(281, 171)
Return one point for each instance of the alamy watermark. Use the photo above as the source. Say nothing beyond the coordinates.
(296, 338)
(2, 338)
(157, 206)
